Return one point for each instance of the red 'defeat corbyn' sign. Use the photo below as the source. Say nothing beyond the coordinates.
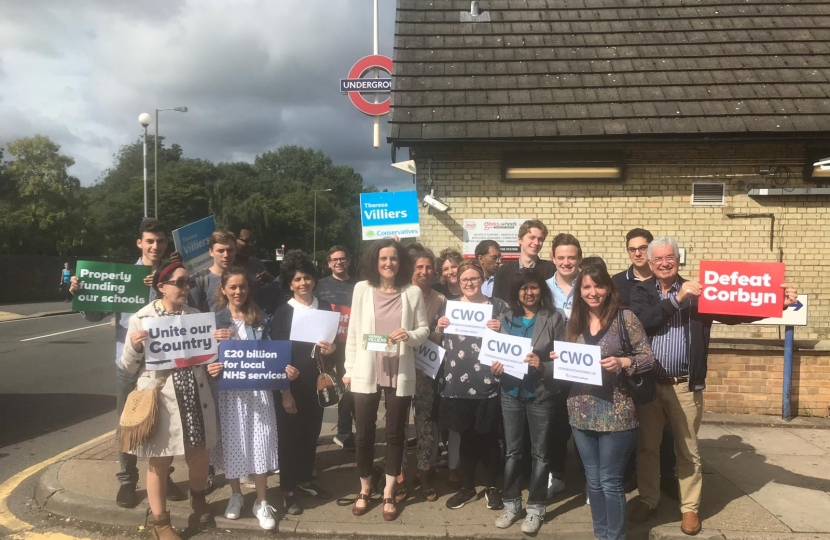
(741, 288)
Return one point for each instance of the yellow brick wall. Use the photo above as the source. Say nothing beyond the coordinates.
(655, 195)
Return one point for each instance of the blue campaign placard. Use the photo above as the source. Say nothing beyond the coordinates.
(384, 215)
(254, 365)
(192, 242)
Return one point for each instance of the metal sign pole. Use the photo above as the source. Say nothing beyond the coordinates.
(376, 129)
(786, 394)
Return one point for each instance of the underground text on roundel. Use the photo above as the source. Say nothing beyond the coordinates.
(577, 363)
(740, 288)
(179, 341)
(111, 287)
(254, 365)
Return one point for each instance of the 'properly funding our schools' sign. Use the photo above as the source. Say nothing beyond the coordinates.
(111, 287)
(384, 215)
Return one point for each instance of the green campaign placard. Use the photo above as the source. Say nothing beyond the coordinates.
(111, 287)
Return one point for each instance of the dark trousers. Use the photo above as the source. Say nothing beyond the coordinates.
(477, 447)
(365, 420)
(558, 435)
(124, 384)
(522, 417)
(345, 408)
(298, 435)
(604, 455)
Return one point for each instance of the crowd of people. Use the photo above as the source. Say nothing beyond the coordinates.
(501, 432)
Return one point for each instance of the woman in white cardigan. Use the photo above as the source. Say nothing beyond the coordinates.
(387, 305)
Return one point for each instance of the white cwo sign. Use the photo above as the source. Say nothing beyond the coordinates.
(509, 351)
(467, 319)
(577, 363)
(428, 358)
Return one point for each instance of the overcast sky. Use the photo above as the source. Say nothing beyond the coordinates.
(255, 74)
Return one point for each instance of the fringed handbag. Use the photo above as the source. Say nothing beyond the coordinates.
(138, 421)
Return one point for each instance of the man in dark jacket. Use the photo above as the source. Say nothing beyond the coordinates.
(532, 236)
(667, 306)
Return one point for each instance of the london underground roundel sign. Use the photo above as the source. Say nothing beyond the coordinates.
(354, 85)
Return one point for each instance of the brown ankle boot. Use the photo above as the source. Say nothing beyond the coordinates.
(161, 529)
(201, 509)
(425, 478)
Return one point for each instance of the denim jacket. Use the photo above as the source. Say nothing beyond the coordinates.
(258, 330)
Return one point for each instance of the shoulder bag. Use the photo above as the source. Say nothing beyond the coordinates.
(329, 386)
(138, 420)
(641, 386)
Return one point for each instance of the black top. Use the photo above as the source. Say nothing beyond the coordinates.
(300, 351)
(445, 290)
(339, 294)
(624, 282)
(508, 270)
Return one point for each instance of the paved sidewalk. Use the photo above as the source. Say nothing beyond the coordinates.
(759, 482)
(11, 312)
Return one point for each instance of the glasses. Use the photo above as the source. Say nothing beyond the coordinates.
(470, 281)
(181, 283)
(641, 249)
(668, 258)
(339, 260)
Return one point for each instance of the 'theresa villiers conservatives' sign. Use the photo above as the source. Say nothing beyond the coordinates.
(503, 231)
(254, 365)
(192, 243)
(179, 341)
(111, 287)
(384, 215)
(741, 288)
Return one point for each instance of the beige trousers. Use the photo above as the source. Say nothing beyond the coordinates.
(683, 410)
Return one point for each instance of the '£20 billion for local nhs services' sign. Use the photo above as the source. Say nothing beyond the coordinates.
(384, 215)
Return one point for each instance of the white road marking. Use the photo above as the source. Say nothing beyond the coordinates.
(65, 332)
(39, 318)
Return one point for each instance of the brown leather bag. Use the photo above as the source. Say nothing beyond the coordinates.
(330, 388)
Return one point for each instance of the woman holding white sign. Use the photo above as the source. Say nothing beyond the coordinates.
(470, 403)
(249, 423)
(603, 417)
(528, 401)
(386, 308)
(185, 422)
(299, 414)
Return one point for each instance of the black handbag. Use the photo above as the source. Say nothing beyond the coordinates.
(330, 387)
(642, 387)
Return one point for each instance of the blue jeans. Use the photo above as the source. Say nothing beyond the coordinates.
(604, 455)
(536, 414)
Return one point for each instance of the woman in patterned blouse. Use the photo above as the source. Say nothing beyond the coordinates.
(603, 417)
(470, 396)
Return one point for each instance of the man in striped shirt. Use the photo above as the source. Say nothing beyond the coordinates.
(666, 304)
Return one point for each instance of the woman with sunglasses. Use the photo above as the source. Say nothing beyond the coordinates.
(528, 403)
(299, 414)
(470, 397)
(248, 420)
(186, 418)
(603, 418)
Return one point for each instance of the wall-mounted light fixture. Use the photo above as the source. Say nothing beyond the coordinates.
(520, 167)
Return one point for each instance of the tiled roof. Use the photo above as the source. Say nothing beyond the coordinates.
(553, 69)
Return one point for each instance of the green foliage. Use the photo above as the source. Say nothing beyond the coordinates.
(44, 210)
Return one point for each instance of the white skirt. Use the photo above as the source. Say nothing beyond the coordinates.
(249, 433)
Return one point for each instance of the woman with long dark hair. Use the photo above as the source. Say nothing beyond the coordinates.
(248, 420)
(603, 418)
(387, 305)
(527, 403)
(299, 414)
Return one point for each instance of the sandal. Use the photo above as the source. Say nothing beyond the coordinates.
(400, 489)
(393, 515)
(425, 479)
(358, 511)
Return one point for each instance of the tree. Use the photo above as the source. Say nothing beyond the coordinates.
(44, 204)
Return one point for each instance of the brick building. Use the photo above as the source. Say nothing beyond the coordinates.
(700, 120)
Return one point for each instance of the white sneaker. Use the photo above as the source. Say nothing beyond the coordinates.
(234, 509)
(555, 485)
(532, 524)
(265, 514)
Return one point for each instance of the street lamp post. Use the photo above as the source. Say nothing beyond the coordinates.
(144, 119)
(156, 157)
(316, 191)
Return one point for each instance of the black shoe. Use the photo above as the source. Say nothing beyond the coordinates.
(461, 498)
(292, 506)
(126, 496)
(493, 496)
(310, 488)
(346, 443)
(174, 492)
(411, 443)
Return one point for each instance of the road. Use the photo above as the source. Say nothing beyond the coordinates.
(57, 388)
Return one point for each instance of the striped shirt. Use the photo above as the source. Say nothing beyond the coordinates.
(669, 344)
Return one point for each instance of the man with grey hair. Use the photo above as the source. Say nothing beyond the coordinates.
(667, 304)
